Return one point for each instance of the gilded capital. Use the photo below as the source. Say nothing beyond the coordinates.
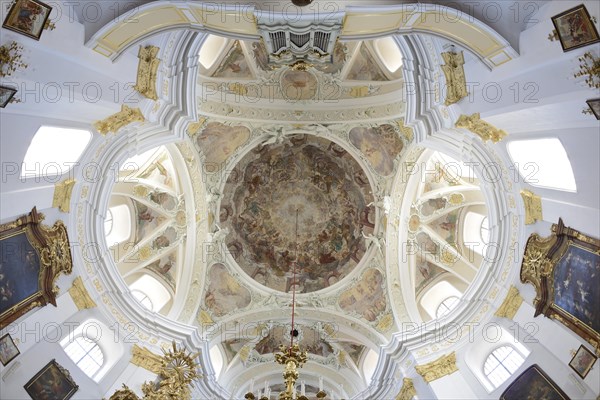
(405, 130)
(407, 392)
(62, 195)
(194, 128)
(80, 295)
(147, 72)
(479, 127)
(142, 357)
(510, 305)
(439, 368)
(118, 120)
(456, 84)
(533, 207)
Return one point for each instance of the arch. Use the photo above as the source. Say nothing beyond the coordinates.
(484, 42)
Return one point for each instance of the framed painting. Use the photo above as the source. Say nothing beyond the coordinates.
(27, 17)
(565, 270)
(8, 349)
(575, 28)
(594, 105)
(583, 361)
(533, 383)
(51, 382)
(31, 258)
(6, 95)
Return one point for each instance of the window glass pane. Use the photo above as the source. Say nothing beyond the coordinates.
(86, 354)
(53, 149)
(543, 163)
(501, 364)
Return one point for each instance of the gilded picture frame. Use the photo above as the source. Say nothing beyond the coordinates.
(565, 271)
(32, 256)
(594, 105)
(27, 17)
(575, 28)
(8, 349)
(533, 383)
(583, 361)
(51, 382)
(6, 95)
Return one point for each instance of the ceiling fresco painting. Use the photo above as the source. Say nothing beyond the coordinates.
(365, 68)
(225, 294)
(234, 64)
(366, 298)
(380, 145)
(165, 268)
(218, 141)
(330, 193)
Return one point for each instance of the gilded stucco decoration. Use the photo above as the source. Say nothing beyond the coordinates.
(439, 368)
(481, 128)
(80, 295)
(147, 72)
(62, 195)
(456, 85)
(510, 305)
(408, 391)
(143, 357)
(533, 207)
(118, 120)
(331, 193)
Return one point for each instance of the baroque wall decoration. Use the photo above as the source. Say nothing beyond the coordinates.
(533, 207)
(143, 357)
(479, 127)
(33, 257)
(62, 195)
(408, 391)
(510, 305)
(439, 368)
(147, 72)
(564, 268)
(456, 84)
(116, 121)
(80, 295)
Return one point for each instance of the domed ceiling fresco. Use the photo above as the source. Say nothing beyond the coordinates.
(308, 178)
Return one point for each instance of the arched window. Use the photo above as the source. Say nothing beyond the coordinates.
(86, 353)
(501, 364)
(543, 163)
(442, 294)
(446, 306)
(150, 293)
(53, 151)
(121, 231)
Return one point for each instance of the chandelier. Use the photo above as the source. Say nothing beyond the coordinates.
(291, 357)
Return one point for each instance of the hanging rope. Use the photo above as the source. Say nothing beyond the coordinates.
(294, 285)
